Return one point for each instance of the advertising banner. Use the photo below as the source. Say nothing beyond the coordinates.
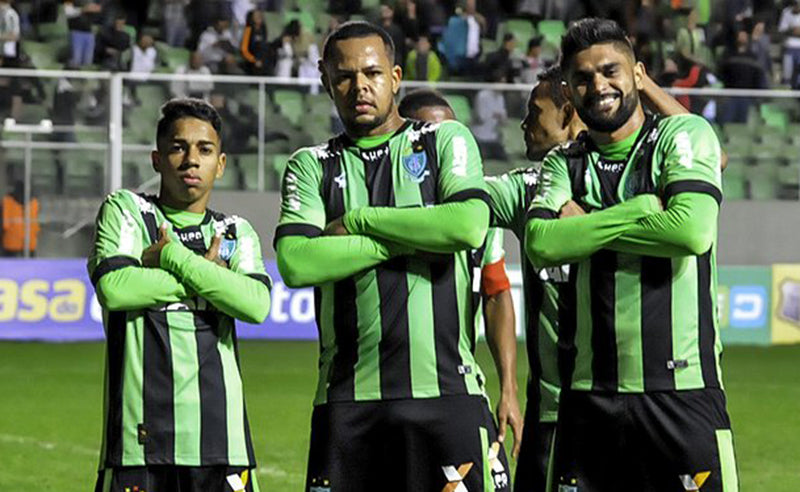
(743, 305)
(786, 304)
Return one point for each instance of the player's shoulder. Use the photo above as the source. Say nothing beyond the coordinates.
(318, 153)
(224, 223)
(131, 201)
(447, 128)
(527, 176)
(687, 122)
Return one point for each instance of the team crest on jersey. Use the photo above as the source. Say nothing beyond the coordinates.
(226, 248)
(416, 166)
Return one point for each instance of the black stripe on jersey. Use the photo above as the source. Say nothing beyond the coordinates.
(446, 326)
(534, 297)
(111, 264)
(540, 213)
(469, 194)
(306, 230)
(151, 226)
(656, 323)
(429, 188)
(567, 327)
(159, 423)
(251, 456)
(213, 409)
(692, 186)
(264, 279)
(116, 363)
(602, 285)
(707, 332)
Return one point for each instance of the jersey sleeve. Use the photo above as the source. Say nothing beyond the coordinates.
(507, 193)
(691, 157)
(247, 257)
(494, 251)
(117, 241)
(302, 209)
(460, 165)
(554, 189)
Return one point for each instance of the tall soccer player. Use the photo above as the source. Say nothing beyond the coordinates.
(498, 306)
(642, 406)
(171, 276)
(381, 220)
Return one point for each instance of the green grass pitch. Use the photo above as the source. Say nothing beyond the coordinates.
(50, 415)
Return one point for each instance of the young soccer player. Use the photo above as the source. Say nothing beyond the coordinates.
(381, 220)
(171, 276)
(498, 306)
(642, 406)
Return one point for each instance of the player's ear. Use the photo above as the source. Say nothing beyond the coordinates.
(222, 161)
(155, 160)
(638, 75)
(397, 77)
(565, 89)
(567, 113)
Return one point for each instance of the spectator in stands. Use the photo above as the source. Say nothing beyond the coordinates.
(175, 27)
(789, 26)
(406, 16)
(691, 42)
(143, 61)
(389, 25)
(112, 41)
(501, 60)
(215, 43)
(237, 129)
(283, 49)
(64, 111)
(9, 34)
(476, 26)
(422, 63)
(759, 45)
(198, 88)
(344, 7)
(461, 40)
(255, 44)
(740, 70)
(13, 222)
(81, 15)
(533, 63)
(490, 115)
(307, 52)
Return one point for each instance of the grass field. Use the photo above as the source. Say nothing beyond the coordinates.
(52, 396)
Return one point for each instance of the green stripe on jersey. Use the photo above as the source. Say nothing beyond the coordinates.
(132, 380)
(368, 367)
(421, 337)
(628, 317)
(684, 313)
(234, 399)
(327, 339)
(185, 368)
(582, 376)
(727, 461)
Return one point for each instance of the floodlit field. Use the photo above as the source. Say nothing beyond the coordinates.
(52, 396)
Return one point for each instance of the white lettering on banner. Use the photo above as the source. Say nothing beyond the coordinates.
(748, 307)
(95, 311)
(301, 308)
(279, 295)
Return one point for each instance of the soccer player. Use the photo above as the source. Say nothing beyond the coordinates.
(171, 276)
(381, 220)
(642, 406)
(498, 306)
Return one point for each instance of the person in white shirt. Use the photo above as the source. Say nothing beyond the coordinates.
(199, 88)
(490, 115)
(9, 34)
(215, 43)
(789, 26)
(143, 61)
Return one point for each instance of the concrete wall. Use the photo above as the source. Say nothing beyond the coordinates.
(750, 233)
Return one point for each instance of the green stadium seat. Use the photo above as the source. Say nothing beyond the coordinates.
(55, 31)
(319, 104)
(42, 55)
(274, 22)
(522, 29)
(774, 116)
(248, 165)
(279, 162)
(173, 56)
(552, 30)
(230, 178)
(735, 132)
(734, 183)
(290, 103)
(461, 107)
(513, 142)
(762, 180)
(305, 17)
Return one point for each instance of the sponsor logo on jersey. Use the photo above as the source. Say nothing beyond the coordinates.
(694, 483)
(611, 167)
(499, 474)
(789, 304)
(373, 155)
(190, 236)
(415, 166)
(455, 477)
(238, 482)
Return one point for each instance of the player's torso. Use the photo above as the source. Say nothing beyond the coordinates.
(404, 328)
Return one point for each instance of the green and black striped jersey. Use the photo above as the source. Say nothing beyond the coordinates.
(512, 194)
(641, 323)
(173, 391)
(404, 329)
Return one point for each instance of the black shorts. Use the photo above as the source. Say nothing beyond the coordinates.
(168, 478)
(436, 444)
(534, 453)
(658, 441)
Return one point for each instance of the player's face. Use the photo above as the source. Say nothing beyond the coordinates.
(434, 114)
(544, 126)
(603, 86)
(362, 80)
(189, 159)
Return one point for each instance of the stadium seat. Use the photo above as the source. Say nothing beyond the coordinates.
(461, 107)
(274, 22)
(230, 179)
(552, 30)
(173, 56)
(290, 104)
(248, 166)
(43, 55)
(735, 132)
(279, 162)
(305, 18)
(522, 29)
(512, 139)
(734, 184)
(762, 181)
(774, 116)
(55, 31)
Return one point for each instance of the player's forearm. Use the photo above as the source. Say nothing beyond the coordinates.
(306, 261)
(136, 287)
(686, 227)
(445, 228)
(235, 294)
(657, 100)
(571, 239)
(501, 338)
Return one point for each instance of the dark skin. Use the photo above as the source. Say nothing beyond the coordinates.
(498, 311)
(363, 81)
(189, 160)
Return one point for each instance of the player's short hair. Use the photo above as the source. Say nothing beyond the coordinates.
(419, 99)
(585, 33)
(356, 29)
(549, 85)
(187, 107)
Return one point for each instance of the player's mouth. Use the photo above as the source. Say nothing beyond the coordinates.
(364, 107)
(191, 180)
(604, 102)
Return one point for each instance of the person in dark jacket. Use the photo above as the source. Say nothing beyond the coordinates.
(255, 44)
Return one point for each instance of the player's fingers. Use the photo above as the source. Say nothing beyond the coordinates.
(163, 236)
(213, 249)
(516, 428)
(502, 422)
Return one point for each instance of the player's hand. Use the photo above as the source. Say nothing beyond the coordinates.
(336, 228)
(151, 257)
(508, 413)
(213, 251)
(571, 209)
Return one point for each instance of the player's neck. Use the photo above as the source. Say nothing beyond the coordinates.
(634, 123)
(196, 207)
(392, 123)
